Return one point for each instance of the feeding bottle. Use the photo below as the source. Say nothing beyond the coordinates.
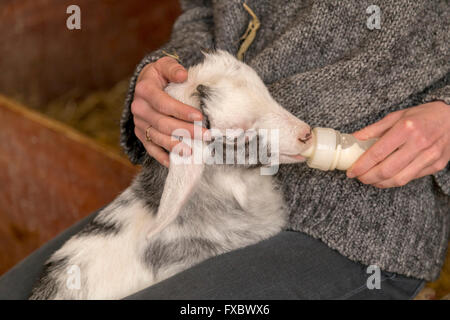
(334, 150)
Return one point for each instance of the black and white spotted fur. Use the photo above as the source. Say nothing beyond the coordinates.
(171, 219)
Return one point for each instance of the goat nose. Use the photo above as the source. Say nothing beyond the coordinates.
(307, 136)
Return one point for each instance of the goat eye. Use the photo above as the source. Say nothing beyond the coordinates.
(203, 91)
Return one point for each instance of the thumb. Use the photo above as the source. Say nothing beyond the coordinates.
(378, 128)
(179, 74)
(171, 70)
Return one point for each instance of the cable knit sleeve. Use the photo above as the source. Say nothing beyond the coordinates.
(442, 177)
(191, 32)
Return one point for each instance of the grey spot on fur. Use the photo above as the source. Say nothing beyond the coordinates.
(234, 148)
(98, 227)
(204, 93)
(148, 185)
(184, 250)
(123, 202)
(47, 285)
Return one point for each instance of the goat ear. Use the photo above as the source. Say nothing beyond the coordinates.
(184, 175)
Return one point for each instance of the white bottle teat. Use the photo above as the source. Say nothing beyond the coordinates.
(334, 150)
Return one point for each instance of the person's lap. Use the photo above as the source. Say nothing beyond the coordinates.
(290, 265)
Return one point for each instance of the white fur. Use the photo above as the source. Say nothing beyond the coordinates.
(112, 259)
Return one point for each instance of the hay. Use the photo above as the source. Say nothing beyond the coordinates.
(96, 114)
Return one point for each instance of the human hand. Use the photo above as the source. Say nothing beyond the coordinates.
(413, 143)
(156, 114)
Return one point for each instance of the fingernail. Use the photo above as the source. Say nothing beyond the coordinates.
(178, 73)
(195, 117)
(350, 174)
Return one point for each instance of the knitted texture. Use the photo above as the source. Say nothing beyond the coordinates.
(322, 63)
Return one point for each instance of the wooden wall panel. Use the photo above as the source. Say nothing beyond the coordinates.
(41, 59)
(50, 177)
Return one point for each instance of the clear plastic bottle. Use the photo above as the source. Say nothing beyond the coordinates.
(334, 150)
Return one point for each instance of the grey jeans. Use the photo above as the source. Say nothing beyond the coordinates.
(290, 265)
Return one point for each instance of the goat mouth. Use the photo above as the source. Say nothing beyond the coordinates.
(295, 157)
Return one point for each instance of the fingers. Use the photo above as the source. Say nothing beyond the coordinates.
(163, 103)
(414, 142)
(152, 149)
(387, 144)
(162, 140)
(439, 165)
(377, 129)
(432, 169)
(391, 166)
(427, 162)
(171, 70)
(159, 100)
(153, 107)
(150, 88)
(161, 122)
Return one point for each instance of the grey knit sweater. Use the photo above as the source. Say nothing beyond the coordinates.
(321, 62)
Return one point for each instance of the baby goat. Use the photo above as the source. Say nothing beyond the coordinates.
(150, 233)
